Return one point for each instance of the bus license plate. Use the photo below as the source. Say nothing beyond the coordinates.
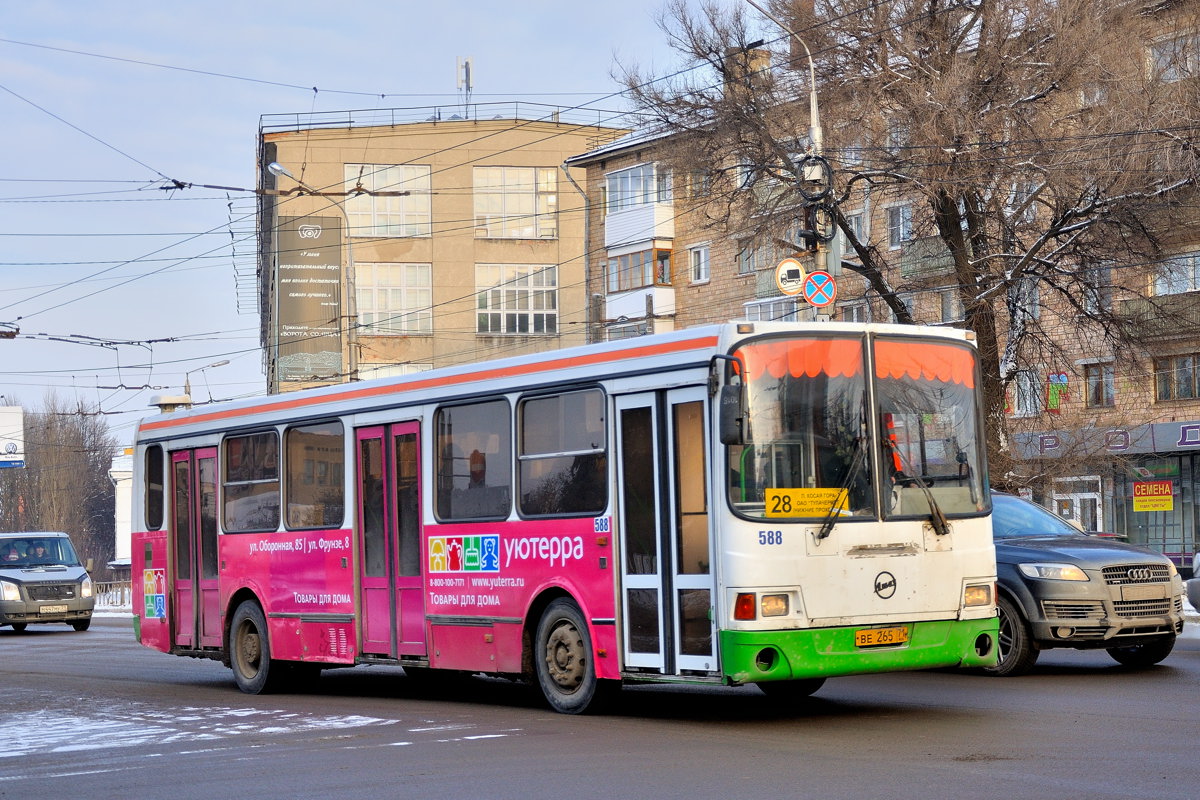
(879, 637)
(52, 610)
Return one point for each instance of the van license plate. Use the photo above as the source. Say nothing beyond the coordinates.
(879, 637)
(52, 610)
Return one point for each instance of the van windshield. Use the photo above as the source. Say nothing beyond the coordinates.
(20, 553)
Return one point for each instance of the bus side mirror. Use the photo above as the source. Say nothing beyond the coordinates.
(90, 566)
(730, 414)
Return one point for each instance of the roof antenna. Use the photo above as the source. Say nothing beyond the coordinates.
(464, 82)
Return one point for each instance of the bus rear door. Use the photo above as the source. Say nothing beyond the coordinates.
(393, 610)
(663, 525)
(195, 598)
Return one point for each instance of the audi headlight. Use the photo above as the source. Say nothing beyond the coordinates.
(9, 591)
(85, 590)
(1053, 572)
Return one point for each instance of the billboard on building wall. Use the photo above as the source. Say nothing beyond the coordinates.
(12, 436)
(309, 311)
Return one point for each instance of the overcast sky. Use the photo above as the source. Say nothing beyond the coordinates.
(93, 253)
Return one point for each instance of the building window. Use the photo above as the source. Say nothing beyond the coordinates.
(516, 299)
(1178, 274)
(749, 257)
(908, 300)
(636, 270)
(1029, 298)
(698, 264)
(637, 186)
(394, 299)
(856, 222)
(899, 222)
(1098, 294)
(952, 306)
(856, 312)
(516, 202)
(1176, 58)
(628, 330)
(1101, 385)
(1025, 394)
(778, 310)
(1175, 377)
(391, 215)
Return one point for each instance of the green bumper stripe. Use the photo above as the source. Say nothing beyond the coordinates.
(754, 656)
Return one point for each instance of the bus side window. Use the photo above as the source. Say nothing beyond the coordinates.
(473, 448)
(251, 482)
(562, 454)
(315, 456)
(154, 487)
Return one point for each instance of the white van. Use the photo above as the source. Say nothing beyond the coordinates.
(42, 581)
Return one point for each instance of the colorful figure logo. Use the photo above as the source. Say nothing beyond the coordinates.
(464, 553)
(154, 587)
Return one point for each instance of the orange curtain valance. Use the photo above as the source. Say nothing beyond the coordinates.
(925, 360)
(802, 357)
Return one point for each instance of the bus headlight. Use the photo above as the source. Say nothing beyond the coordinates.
(977, 594)
(774, 605)
(9, 591)
(85, 590)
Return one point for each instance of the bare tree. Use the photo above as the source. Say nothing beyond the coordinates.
(64, 485)
(1050, 143)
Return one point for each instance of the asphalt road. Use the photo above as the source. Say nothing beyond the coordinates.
(93, 715)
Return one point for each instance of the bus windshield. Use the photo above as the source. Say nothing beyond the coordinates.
(808, 424)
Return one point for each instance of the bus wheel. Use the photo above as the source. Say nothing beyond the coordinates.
(565, 669)
(250, 650)
(82, 624)
(20, 627)
(1018, 653)
(791, 691)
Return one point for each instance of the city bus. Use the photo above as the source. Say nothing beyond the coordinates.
(747, 503)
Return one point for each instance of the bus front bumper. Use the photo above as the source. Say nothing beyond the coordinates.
(759, 656)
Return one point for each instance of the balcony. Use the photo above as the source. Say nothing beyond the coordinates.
(1166, 316)
(925, 257)
(657, 301)
(639, 224)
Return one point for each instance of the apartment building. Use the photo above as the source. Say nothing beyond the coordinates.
(393, 241)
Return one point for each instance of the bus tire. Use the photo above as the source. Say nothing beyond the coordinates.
(563, 659)
(1018, 653)
(791, 691)
(20, 627)
(82, 624)
(250, 651)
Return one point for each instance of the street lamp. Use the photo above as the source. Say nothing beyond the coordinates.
(187, 378)
(815, 136)
(277, 169)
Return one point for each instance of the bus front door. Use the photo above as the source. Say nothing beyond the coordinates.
(389, 522)
(195, 599)
(663, 525)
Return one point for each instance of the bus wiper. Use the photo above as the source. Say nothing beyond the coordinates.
(936, 518)
(852, 473)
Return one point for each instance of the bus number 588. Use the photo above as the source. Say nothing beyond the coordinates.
(770, 537)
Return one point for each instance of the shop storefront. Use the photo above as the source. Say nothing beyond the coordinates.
(1140, 482)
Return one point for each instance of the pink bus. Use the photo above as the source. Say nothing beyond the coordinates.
(748, 503)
